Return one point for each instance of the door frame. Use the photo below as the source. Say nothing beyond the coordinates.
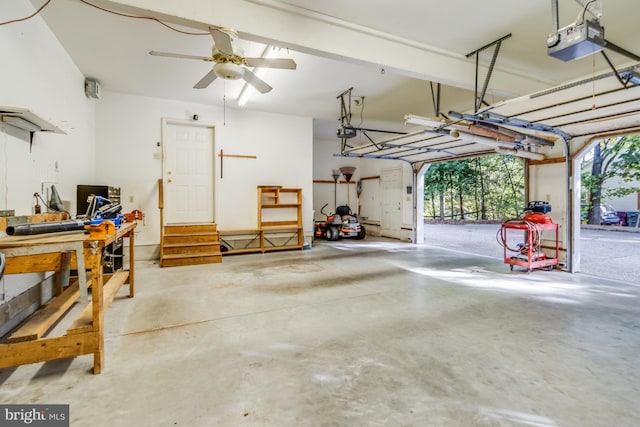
(166, 122)
(394, 234)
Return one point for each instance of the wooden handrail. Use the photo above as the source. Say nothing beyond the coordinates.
(160, 194)
(161, 207)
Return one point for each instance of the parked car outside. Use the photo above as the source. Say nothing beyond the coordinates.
(608, 215)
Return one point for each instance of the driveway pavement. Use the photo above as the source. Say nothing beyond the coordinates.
(611, 252)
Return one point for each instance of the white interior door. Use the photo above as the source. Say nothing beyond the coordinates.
(391, 185)
(188, 173)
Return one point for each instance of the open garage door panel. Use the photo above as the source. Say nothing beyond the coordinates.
(586, 108)
(595, 106)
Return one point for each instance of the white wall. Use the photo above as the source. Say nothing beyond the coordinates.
(324, 162)
(372, 193)
(548, 182)
(129, 129)
(369, 205)
(37, 74)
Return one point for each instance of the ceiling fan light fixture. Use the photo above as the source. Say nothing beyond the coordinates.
(228, 70)
(248, 90)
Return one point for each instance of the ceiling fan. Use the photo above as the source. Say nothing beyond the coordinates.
(230, 62)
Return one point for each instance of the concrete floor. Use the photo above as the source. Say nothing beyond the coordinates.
(355, 333)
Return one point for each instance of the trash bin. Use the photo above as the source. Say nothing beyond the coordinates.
(623, 217)
(632, 218)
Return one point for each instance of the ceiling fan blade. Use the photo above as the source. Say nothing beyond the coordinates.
(206, 80)
(256, 82)
(282, 63)
(222, 41)
(180, 55)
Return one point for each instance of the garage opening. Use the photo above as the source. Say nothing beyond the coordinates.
(610, 202)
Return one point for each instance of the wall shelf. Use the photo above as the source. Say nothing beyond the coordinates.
(39, 124)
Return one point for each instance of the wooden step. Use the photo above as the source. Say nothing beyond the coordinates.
(179, 233)
(191, 248)
(191, 238)
(190, 228)
(190, 244)
(185, 259)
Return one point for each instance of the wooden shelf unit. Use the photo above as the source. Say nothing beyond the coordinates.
(279, 224)
(280, 218)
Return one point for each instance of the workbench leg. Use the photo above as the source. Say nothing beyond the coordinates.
(132, 265)
(82, 272)
(62, 276)
(97, 303)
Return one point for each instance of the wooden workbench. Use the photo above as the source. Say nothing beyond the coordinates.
(45, 252)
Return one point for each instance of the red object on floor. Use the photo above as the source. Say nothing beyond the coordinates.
(538, 218)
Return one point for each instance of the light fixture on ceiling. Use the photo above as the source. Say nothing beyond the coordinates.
(228, 70)
(520, 153)
(499, 146)
(247, 89)
(423, 121)
(21, 123)
(479, 139)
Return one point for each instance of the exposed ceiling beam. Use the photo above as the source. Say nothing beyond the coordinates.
(283, 25)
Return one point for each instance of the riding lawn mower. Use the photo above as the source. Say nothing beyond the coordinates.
(343, 223)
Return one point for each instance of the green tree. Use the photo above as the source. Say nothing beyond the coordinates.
(436, 184)
(611, 157)
(488, 187)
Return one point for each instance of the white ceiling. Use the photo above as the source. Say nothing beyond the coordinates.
(114, 50)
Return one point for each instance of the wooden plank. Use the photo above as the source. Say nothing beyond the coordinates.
(33, 263)
(280, 205)
(192, 228)
(239, 231)
(44, 349)
(237, 156)
(282, 248)
(279, 225)
(41, 239)
(160, 196)
(547, 161)
(242, 251)
(43, 319)
(177, 262)
(132, 264)
(84, 322)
